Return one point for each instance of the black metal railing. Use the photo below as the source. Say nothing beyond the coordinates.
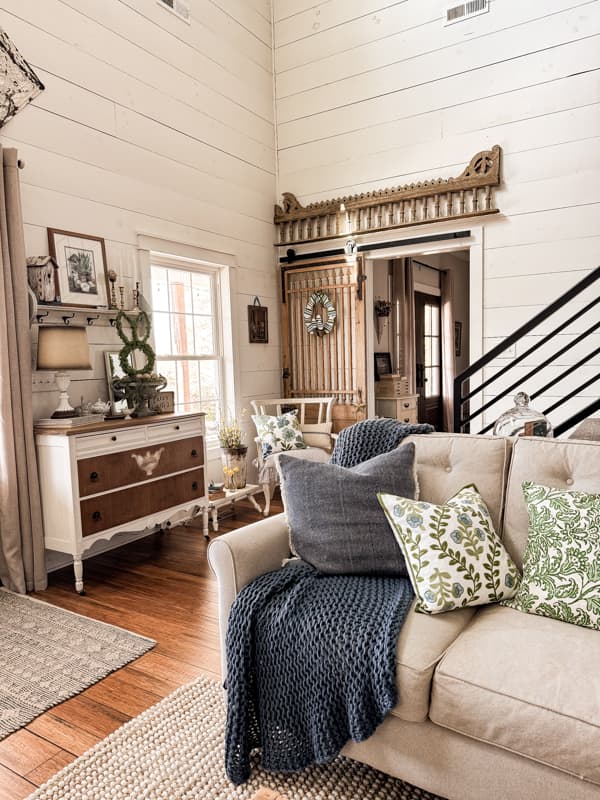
(463, 395)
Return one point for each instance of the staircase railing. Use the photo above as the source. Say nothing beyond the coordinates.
(462, 394)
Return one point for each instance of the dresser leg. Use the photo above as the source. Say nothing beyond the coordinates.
(205, 522)
(78, 570)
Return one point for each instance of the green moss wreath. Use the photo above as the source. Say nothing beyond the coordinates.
(139, 324)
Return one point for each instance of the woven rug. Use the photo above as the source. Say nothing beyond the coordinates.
(175, 751)
(48, 655)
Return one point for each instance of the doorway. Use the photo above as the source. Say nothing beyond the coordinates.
(428, 358)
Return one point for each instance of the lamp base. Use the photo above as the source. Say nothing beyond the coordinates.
(64, 410)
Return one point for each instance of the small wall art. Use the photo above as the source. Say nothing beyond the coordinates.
(258, 323)
(81, 263)
(383, 365)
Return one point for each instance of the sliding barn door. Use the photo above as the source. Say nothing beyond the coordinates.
(323, 333)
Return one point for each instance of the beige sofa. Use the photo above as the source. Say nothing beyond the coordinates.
(493, 704)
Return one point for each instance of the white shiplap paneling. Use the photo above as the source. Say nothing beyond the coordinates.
(374, 95)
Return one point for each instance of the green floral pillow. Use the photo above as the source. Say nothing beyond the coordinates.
(453, 555)
(561, 565)
(277, 433)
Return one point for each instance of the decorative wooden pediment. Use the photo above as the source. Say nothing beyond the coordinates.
(439, 200)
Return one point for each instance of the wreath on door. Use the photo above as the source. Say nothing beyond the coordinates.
(319, 314)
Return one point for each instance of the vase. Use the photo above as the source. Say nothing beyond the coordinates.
(234, 467)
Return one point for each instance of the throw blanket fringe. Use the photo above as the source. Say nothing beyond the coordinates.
(311, 664)
(372, 437)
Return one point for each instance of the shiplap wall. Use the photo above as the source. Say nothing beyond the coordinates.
(152, 126)
(370, 95)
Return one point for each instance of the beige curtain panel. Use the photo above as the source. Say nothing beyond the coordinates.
(22, 564)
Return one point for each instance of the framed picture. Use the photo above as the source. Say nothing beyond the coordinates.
(81, 263)
(457, 338)
(163, 402)
(258, 324)
(383, 365)
(113, 370)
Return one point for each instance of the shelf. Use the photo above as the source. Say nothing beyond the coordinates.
(68, 313)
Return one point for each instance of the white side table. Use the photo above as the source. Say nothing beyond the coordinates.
(225, 498)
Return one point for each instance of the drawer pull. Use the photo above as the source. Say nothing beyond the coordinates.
(194, 453)
(96, 516)
(93, 476)
(113, 438)
(195, 485)
(406, 405)
(406, 419)
(176, 427)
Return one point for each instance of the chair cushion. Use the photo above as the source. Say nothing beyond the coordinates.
(279, 432)
(422, 642)
(528, 684)
(268, 471)
(317, 434)
(448, 461)
(336, 522)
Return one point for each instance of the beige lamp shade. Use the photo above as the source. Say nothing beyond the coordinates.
(62, 347)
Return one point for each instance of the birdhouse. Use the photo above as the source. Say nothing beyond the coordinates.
(42, 274)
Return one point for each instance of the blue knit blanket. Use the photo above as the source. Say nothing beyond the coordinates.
(310, 665)
(372, 437)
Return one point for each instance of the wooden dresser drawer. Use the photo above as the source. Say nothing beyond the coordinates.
(174, 429)
(117, 508)
(110, 442)
(110, 471)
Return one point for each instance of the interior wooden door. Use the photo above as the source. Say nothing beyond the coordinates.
(428, 358)
(323, 334)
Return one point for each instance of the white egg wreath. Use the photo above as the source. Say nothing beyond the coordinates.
(316, 324)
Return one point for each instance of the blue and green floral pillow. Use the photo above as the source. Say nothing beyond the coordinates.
(561, 564)
(279, 433)
(453, 554)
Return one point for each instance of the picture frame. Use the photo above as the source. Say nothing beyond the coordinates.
(82, 270)
(163, 402)
(383, 365)
(114, 370)
(258, 323)
(457, 338)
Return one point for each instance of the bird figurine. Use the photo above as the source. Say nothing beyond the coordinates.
(149, 462)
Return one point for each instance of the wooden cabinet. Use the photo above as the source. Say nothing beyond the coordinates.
(113, 477)
(392, 400)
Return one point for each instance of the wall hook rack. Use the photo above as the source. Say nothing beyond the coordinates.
(90, 320)
(67, 318)
(40, 317)
(112, 321)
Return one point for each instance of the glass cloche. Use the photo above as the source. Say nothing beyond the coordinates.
(521, 420)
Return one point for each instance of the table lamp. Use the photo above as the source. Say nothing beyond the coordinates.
(62, 347)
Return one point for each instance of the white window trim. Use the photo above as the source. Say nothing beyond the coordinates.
(150, 247)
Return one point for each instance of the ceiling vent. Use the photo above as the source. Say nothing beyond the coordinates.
(179, 7)
(461, 11)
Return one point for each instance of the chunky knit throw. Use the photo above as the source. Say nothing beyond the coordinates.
(371, 437)
(311, 664)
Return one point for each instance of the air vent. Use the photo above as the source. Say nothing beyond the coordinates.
(462, 11)
(179, 7)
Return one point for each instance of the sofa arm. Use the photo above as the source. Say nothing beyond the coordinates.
(236, 558)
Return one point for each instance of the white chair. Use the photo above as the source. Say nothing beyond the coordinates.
(316, 433)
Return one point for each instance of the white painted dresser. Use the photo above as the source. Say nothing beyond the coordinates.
(106, 478)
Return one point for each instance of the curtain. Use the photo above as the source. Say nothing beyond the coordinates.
(448, 354)
(22, 563)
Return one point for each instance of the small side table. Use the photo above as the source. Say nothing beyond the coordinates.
(221, 499)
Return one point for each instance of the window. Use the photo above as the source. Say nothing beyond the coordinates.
(187, 336)
(432, 342)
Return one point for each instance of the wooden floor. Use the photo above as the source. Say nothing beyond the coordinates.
(160, 586)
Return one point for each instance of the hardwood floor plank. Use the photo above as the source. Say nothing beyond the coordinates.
(12, 786)
(50, 767)
(159, 586)
(23, 751)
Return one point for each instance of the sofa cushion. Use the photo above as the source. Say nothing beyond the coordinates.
(562, 464)
(528, 684)
(422, 642)
(452, 551)
(336, 523)
(561, 565)
(448, 461)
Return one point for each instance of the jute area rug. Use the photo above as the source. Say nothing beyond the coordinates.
(48, 655)
(175, 751)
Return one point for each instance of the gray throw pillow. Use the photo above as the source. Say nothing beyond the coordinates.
(336, 522)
